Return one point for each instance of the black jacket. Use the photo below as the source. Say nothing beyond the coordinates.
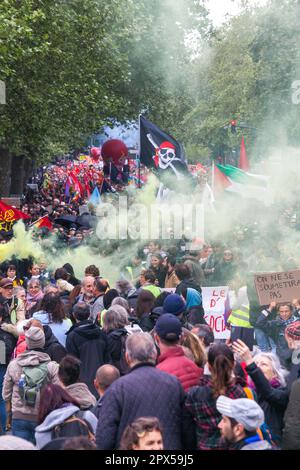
(7, 345)
(187, 283)
(160, 274)
(146, 322)
(272, 400)
(291, 431)
(88, 342)
(116, 348)
(196, 315)
(53, 347)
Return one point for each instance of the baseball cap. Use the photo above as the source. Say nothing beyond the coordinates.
(168, 327)
(174, 304)
(243, 410)
(6, 282)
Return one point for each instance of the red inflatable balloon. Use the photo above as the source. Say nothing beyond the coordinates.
(114, 150)
(95, 153)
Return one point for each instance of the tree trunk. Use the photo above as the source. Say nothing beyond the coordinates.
(17, 175)
(5, 172)
(28, 170)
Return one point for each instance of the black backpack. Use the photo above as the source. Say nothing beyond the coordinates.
(74, 426)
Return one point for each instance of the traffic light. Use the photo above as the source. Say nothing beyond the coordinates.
(233, 126)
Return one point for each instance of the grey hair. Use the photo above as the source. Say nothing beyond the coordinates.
(123, 286)
(34, 280)
(140, 347)
(49, 288)
(84, 280)
(122, 302)
(115, 317)
(278, 370)
(17, 290)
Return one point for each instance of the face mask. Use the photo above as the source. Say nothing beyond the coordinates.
(146, 251)
(182, 247)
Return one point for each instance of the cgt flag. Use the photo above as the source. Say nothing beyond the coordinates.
(9, 215)
(161, 152)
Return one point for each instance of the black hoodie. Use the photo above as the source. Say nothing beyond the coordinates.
(53, 347)
(88, 342)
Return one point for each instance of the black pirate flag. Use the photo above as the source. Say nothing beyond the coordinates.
(161, 152)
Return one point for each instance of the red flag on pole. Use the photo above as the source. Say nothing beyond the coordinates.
(43, 222)
(243, 160)
(9, 215)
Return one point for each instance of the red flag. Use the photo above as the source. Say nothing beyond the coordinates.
(43, 222)
(87, 186)
(220, 181)
(9, 215)
(243, 160)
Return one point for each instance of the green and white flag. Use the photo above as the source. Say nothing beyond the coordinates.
(246, 184)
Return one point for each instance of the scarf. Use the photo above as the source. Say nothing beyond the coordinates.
(193, 298)
(274, 382)
(31, 300)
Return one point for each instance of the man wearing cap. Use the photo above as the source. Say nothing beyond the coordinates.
(24, 416)
(241, 418)
(176, 305)
(14, 307)
(172, 360)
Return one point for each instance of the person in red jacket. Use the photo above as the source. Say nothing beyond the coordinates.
(172, 359)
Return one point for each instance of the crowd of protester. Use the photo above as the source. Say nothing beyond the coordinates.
(134, 365)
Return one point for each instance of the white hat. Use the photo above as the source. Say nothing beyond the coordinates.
(243, 410)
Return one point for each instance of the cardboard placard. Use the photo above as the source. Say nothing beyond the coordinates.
(277, 287)
(214, 304)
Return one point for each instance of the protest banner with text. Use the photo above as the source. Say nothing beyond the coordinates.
(277, 287)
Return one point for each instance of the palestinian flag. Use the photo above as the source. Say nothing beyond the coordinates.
(232, 179)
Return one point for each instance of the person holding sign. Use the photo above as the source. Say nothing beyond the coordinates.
(276, 329)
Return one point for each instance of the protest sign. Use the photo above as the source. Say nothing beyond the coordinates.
(277, 287)
(215, 303)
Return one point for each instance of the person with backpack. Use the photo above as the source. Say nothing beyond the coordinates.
(59, 416)
(24, 378)
(87, 342)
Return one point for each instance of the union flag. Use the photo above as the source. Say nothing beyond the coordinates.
(9, 215)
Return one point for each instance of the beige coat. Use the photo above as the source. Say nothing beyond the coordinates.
(10, 391)
(171, 281)
(80, 392)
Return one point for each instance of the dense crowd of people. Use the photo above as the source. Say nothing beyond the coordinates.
(134, 365)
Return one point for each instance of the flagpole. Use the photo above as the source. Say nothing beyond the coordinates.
(139, 154)
(213, 177)
(33, 223)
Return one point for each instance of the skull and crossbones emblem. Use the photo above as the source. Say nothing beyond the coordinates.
(165, 155)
